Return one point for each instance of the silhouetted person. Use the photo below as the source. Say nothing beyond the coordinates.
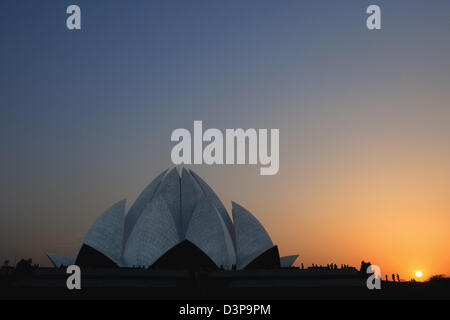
(393, 277)
(303, 267)
(387, 280)
(398, 278)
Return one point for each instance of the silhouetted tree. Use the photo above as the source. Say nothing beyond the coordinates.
(436, 277)
(363, 269)
(24, 268)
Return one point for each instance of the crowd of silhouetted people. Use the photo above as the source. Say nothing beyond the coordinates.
(362, 270)
(330, 266)
(394, 277)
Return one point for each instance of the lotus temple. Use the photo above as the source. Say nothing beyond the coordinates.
(177, 222)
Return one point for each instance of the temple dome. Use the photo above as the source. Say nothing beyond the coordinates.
(177, 216)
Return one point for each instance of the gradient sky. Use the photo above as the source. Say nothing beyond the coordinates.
(364, 119)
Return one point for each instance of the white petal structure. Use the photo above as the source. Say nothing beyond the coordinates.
(211, 195)
(59, 260)
(252, 239)
(153, 235)
(173, 208)
(288, 261)
(191, 193)
(106, 234)
(208, 232)
(141, 202)
(170, 192)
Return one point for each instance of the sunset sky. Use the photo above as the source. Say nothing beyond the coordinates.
(364, 119)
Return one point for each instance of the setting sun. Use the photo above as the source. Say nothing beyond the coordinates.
(419, 274)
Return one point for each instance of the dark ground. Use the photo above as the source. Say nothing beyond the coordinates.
(178, 285)
(394, 292)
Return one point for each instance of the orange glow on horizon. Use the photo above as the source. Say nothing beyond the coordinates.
(383, 203)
